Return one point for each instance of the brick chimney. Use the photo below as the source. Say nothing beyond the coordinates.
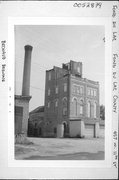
(27, 70)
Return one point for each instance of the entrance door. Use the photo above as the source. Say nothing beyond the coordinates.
(65, 129)
(89, 130)
(40, 131)
(102, 131)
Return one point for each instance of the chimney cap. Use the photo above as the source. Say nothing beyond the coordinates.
(28, 47)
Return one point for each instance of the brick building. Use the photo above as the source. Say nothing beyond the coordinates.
(71, 103)
(35, 122)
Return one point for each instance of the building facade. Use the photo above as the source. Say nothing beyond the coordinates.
(35, 122)
(72, 107)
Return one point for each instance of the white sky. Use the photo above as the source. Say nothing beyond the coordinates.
(54, 45)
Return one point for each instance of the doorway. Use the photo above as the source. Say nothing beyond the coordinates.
(65, 129)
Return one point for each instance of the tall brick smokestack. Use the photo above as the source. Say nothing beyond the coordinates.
(27, 70)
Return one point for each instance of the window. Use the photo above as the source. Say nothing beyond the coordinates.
(78, 69)
(64, 111)
(75, 89)
(94, 93)
(35, 125)
(48, 92)
(91, 92)
(48, 104)
(78, 90)
(56, 90)
(64, 103)
(89, 108)
(81, 107)
(55, 130)
(65, 87)
(95, 109)
(49, 76)
(88, 92)
(56, 103)
(81, 90)
(74, 107)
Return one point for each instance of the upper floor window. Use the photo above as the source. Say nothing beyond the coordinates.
(74, 107)
(64, 103)
(91, 92)
(56, 89)
(78, 90)
(64, 100)
(74, 89)
(48, 92)
(81, 90)
(94, 93)
(95, 109)
(56, 103)
(89, 108)
(64, 111)
(65, 87)
(81, 107)
(78, 69)
(49, 76)
(88, 92)
(49, 104)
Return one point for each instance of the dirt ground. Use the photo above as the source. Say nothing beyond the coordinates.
(61, 149)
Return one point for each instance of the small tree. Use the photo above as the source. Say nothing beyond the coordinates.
(102, 112)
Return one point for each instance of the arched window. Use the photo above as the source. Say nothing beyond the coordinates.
(74, 107)
(89, 108)
(95, 109)
(81, 106)
(64, 103)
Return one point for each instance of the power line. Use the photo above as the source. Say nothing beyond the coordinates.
(35, 64)
(37, 88)
(31, 86)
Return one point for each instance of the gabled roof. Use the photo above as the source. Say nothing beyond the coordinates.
(37, 110)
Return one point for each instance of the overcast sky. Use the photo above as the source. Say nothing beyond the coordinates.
(54, 45)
